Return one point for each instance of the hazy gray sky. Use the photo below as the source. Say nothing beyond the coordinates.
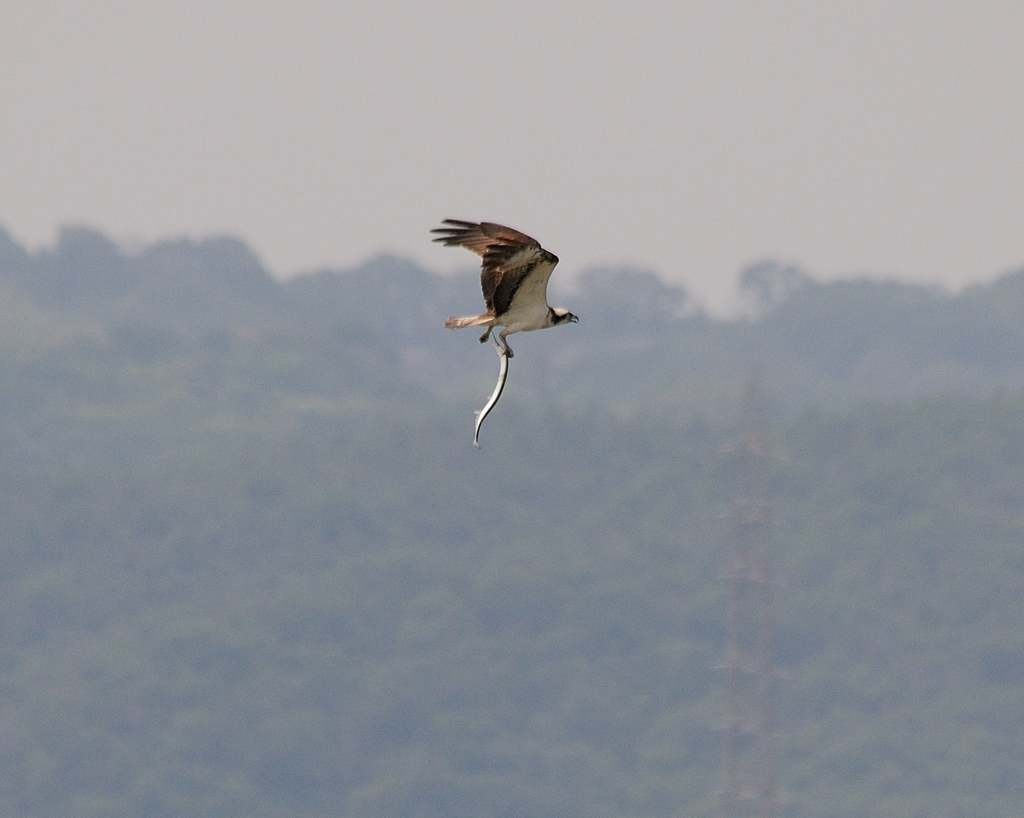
(875, 136)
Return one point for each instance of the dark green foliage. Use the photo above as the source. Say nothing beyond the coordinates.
(251, 566)
(902, 544)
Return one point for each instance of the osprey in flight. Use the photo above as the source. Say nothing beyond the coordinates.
(514, 278)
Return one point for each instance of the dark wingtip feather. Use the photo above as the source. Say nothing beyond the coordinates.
(455, 226)
(451, 234)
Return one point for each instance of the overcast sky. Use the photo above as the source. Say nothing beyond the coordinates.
(876, 136)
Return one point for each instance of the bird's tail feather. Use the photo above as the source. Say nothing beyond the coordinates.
(458, 322)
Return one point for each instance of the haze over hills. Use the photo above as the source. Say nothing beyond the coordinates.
(639, 345)
(251, 564)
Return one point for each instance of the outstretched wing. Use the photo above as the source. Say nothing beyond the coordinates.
(509, 259)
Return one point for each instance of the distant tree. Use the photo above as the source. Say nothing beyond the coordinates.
(769, 283)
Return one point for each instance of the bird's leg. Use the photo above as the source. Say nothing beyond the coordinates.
(486, 335)
(504, 343)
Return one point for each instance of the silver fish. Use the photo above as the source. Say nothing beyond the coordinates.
(493, 400)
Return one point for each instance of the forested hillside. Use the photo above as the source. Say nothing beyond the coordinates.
(251, 565)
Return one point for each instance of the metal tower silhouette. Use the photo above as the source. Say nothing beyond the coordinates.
(748, 786)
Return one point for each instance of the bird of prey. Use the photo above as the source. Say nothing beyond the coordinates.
(514, 278)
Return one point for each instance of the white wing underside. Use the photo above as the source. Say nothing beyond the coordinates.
(529, 308)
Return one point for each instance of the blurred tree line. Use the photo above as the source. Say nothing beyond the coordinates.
(250, 564)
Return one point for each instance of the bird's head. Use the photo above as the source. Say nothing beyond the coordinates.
(560, 315)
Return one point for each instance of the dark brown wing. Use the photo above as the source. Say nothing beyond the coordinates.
(508, 256)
